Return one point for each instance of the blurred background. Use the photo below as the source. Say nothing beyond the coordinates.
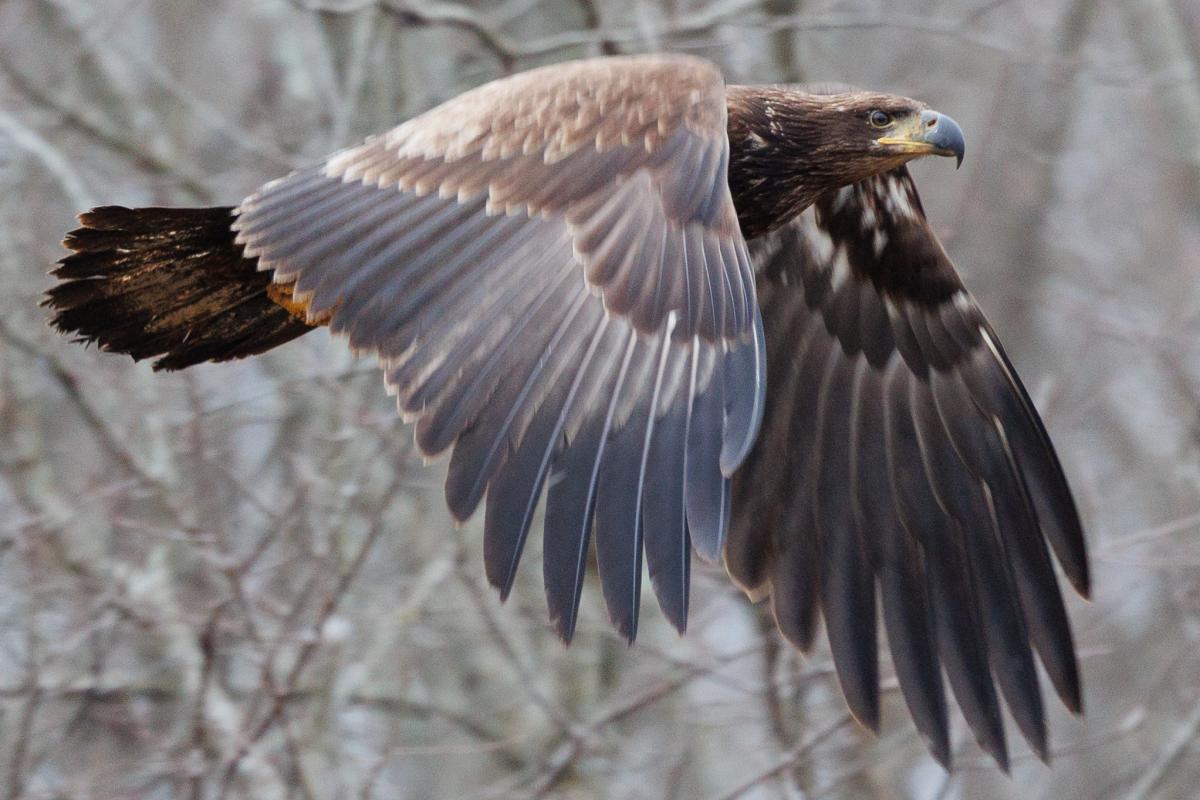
(240, 582)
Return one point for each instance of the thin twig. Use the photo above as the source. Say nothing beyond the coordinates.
(1178, 744)
(802, 749)
(110, 441)
(309, 647)
(33, 701)
(189, 181)
(555, 767)
(455, 16)
(528, 681)
(51, 158)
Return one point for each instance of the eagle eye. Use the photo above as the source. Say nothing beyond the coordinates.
(880, 119)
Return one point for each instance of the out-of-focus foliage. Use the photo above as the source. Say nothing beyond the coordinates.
(238, 582)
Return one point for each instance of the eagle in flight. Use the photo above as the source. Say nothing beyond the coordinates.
(692, 315)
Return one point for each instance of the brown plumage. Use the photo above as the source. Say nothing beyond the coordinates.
(169, 284)
(553, 270)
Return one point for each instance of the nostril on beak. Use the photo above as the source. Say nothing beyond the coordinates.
(944, 134)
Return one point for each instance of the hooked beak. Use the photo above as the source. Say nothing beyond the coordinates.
(930, 133)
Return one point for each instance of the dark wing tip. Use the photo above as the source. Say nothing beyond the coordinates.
(939, 747)
(1078, 572)
(564, 626)
(864, 708)
(1041, 749)
(458, 514)
(498, 578)
(1069, 545)
(1072, 695)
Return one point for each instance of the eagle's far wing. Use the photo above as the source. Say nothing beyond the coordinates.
(899, 450)
(551, 271)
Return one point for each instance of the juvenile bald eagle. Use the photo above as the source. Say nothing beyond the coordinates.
(579, 279)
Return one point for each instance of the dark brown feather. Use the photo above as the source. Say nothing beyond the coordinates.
(912, 457)
(168, 284)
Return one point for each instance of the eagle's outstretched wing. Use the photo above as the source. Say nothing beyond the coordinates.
(901, 454)
(551, 271)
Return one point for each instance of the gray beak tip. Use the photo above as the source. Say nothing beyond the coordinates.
(944, 133)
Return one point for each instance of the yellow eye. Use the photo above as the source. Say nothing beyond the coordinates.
(880, 119)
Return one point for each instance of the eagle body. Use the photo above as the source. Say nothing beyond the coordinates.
(683, 316)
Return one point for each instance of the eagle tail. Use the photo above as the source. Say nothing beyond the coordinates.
(170, 284)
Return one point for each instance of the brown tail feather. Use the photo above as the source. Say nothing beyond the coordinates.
(167, 283)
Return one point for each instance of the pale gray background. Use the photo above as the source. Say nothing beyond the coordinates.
(237, 582)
